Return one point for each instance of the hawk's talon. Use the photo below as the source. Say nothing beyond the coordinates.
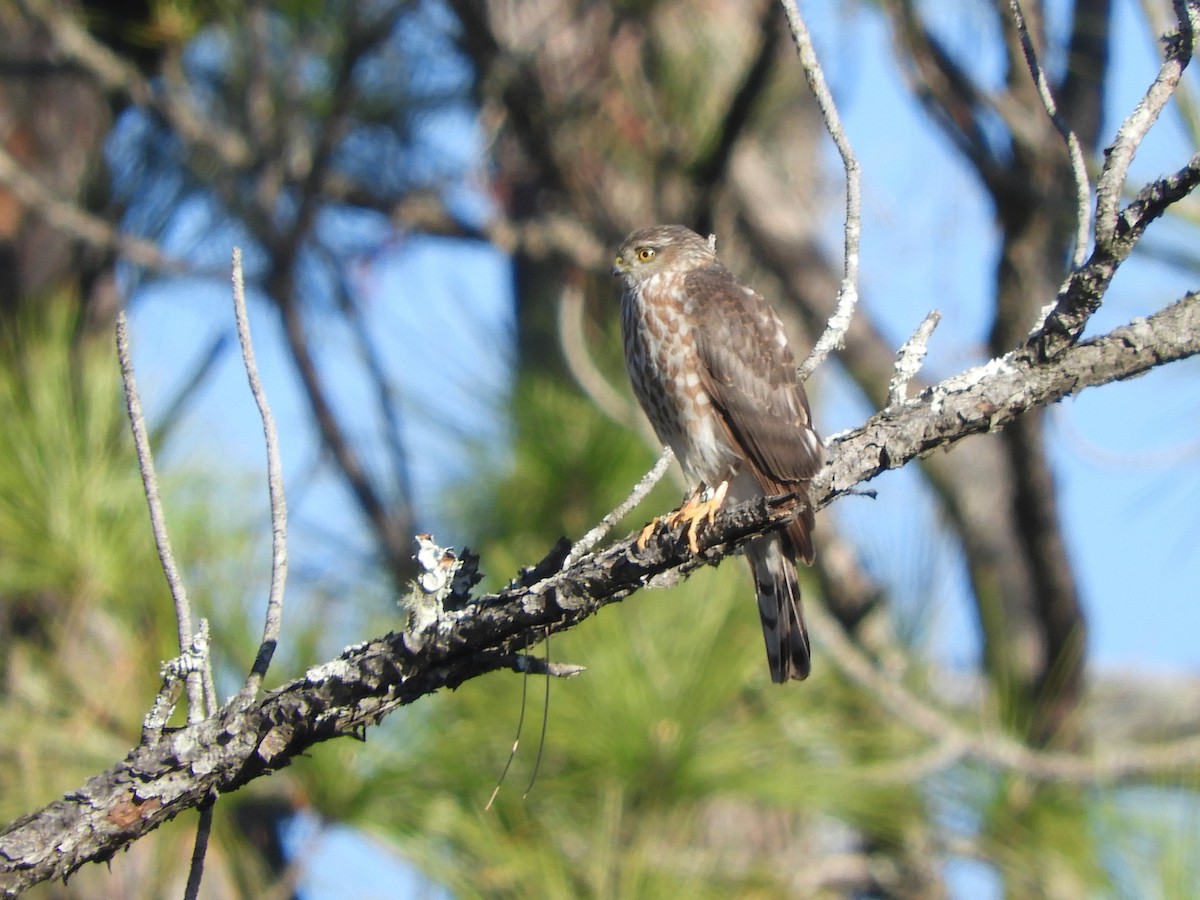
(644, 537)
(704, 511)
(671, 519)
(693, 512)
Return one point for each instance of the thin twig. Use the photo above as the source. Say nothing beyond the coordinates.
(158, 523)
(279, 554)
(1083, 190)
(584, 545)
(197, 679)
(910, 356)
(199, 851)
(1119, 155)
(835, 332)
(1184, 98)
(203, 654)
(1153, 200)
(196, 659)
(1086, 287)
(512, 754)
(537, 760)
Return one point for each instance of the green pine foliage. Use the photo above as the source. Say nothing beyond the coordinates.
(83, 602)
(85, 615)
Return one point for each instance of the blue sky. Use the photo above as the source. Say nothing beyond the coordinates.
(442, 312)
(1127, 502)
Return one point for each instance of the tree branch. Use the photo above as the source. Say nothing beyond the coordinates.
(991, 396)
(1084, 291)
(167, 774)
(1083, 192)
(273, 618)
(160, 779)
(1119, 155)
(79, 224)
(834, 335)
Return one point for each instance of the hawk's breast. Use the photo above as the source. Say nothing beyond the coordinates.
(664, 367)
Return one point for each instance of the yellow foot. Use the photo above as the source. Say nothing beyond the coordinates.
(702, 511)
(693, 511)
(644, 537)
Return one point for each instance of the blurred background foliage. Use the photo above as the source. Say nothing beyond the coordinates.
(332, 140)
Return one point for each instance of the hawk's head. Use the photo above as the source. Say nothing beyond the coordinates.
(649, 251)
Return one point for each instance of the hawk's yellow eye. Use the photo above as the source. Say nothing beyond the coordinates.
(644, 254)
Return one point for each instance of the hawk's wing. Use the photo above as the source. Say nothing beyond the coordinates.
(749, 372)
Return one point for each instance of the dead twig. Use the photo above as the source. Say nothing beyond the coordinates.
(273, 619)
(833, 337)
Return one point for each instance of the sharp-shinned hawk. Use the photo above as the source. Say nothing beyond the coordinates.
(711, 366)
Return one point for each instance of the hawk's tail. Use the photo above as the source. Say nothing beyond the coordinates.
(778, 591)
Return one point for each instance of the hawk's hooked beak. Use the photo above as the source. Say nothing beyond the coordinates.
(619, 266)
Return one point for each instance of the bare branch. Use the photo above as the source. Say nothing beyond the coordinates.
(835, 332)
(1083, 191)
(990, 396)
(196, 868)
(157, 781)
(994, 747)
(1119, 155)
(910, 356)
(1153, 199)
(202, 649)
(158, 522)
(279, 552)
(70, 219)
(584, 545)
(194, 660)
(201, 695)
(1085, 287)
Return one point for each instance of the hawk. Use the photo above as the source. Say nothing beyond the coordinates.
(711, 366)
